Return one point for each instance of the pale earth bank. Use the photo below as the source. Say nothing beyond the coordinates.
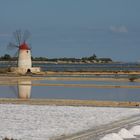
(124, 134)
(34, 122)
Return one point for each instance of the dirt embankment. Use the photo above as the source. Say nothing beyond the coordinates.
(63, 102)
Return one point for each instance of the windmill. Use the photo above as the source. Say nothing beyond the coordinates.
(23, 52)
(23, 49)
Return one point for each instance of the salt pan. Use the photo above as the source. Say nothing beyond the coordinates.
(111, 136)
(125, 134)
(135, 130)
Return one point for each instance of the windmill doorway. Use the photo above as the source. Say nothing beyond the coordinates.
(28, 70)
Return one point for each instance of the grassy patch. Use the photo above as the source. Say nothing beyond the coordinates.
(8, 138)
(133, 77)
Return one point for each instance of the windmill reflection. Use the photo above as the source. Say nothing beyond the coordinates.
(24, 89)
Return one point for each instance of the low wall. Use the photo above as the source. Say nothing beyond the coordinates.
(25, 70)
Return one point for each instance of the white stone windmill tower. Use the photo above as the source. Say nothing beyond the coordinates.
(24, 64)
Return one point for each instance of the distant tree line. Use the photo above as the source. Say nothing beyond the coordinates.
(7, 57)
(92, 58)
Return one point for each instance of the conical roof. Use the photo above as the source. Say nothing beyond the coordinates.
(24, 46)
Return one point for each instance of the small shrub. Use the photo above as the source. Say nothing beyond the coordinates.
(132, 78)
(8, 138)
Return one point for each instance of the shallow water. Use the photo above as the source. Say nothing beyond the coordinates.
(86, 93)
(90, 67)
(64, 92)
(87, 82)
(81, 67)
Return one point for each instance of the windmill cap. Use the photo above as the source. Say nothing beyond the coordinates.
(24, 46)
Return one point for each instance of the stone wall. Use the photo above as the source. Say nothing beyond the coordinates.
(25, 70)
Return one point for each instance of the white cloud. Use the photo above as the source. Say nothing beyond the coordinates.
(119, 29)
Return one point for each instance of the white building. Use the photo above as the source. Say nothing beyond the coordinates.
(24, 61)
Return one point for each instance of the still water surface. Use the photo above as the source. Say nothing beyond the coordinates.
(84, 93)
(64, 92)
(90, 67)
(81, 67)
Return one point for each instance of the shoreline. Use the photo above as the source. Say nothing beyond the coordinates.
(68, 102)
(9, 77)
(93, 72)
(5, 71)
(64, 62)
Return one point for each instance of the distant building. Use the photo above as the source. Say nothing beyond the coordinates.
(105, 60)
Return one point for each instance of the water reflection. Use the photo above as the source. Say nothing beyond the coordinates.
(104, 94)
(24, 89)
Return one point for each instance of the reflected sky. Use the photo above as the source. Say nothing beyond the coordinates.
(115, 94)
(24, 91)
(83, 82)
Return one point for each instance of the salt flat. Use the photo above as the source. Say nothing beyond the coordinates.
(34, 122)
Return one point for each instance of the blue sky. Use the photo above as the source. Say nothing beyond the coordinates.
(74, 28)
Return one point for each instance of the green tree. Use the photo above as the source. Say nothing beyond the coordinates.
(6, 57)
